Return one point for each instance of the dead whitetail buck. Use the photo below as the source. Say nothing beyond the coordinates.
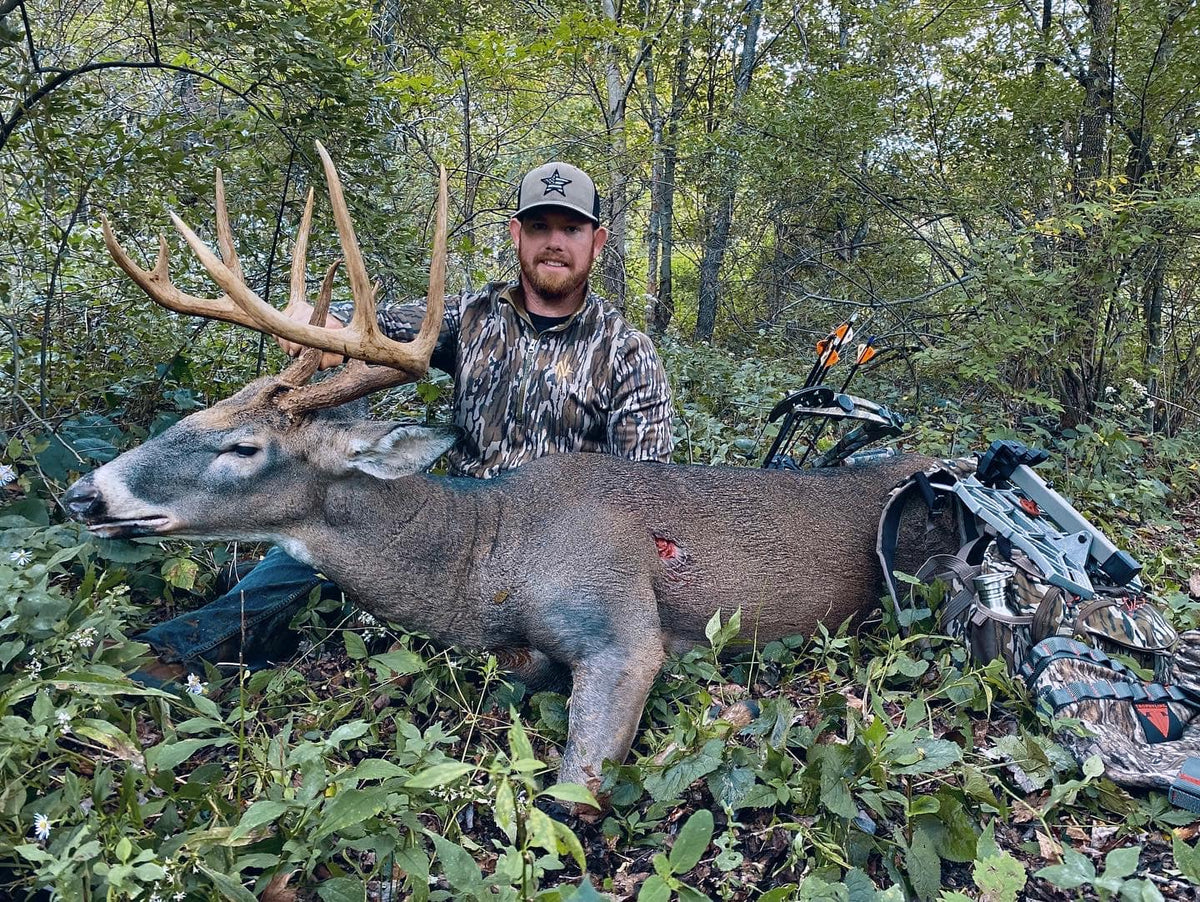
(579, 566)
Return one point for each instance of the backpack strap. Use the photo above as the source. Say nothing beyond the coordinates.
(1046, 652)
(934, 494)
(939, 565)
(1150, 703)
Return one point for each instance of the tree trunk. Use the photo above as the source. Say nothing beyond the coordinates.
(1080, 377)
(664, 304)
(718, 236)
(654, 229)
(613, 263)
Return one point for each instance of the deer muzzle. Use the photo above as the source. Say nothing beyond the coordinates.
(86, 502)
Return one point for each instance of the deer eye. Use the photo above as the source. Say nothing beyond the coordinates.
(242, 449)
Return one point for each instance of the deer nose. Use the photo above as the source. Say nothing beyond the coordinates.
(83, 499)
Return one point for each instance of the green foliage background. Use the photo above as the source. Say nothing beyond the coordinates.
(1008, 195)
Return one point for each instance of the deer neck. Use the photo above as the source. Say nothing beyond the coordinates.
(425, 557)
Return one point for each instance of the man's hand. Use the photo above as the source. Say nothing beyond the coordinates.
(302, 312)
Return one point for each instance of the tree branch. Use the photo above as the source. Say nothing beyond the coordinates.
(26, 104)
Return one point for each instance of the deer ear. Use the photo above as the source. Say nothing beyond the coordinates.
(392, 450)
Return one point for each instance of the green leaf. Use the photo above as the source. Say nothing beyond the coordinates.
(932, 755)
(924, 865)
(180, 572)
(168, 755)
(504, 810)
(571, 792)
(373, 769)
(585, 892)
(519, 745)
(258, 815)
(1075, 871)
(342, 889)
(1120, 863)
(347, 732)
(457, 864)
(731, 785)
(415, 864)
(713, 627)
(1187, 859)
(655, 889)
(859, 886)
(351, 808)
(779, 893)
(397, 663)
(568, 842)
(692, 841)
(677, 777)
(923, 805)
(539, 830)
(439, 775)
(229, 887)
(1000, 877)
(356, 649)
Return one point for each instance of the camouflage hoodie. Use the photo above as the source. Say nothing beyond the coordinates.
(592, 383)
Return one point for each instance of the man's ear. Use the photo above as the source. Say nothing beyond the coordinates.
(391, 450)
(514, 231)
(599, 239)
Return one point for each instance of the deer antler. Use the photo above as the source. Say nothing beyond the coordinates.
(360, 340)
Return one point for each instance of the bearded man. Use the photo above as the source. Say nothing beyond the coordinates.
(541, 365)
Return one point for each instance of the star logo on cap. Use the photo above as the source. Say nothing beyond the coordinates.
(555, 183)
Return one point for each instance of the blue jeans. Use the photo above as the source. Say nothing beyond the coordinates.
(249, 623)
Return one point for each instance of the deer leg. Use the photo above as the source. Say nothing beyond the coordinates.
(609, 693)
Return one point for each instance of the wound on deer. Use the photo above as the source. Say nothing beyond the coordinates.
(667, 549)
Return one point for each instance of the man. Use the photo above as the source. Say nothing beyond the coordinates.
(541, 365)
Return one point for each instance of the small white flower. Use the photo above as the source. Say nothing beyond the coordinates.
(84, 638)
(179, 896)
(86, 806)
(155, 897)
(35, 667)
(7, 474)
(194, 686)
(41, 827)
(21, 557)
(63, 717)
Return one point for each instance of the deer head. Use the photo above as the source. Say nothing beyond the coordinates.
(279, 442)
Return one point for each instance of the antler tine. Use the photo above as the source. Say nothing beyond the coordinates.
(363, 320)
(300, 261)
(309, 361)
(224, 232)
(358, 379)
(158, 285)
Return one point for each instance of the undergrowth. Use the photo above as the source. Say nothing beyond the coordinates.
(854, 764)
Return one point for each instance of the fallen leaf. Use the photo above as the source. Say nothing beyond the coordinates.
(1188, 832)
(1048, 848)
(1194, 584)
(278, 890)
(1023, 812)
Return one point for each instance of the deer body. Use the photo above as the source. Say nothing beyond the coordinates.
(576, 567)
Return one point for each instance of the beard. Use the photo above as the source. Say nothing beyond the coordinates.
(553, 286)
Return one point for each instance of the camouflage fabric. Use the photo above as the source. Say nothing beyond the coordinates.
(592, 383)
(1143, 732)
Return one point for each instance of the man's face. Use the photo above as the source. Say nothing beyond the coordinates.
(556, 249)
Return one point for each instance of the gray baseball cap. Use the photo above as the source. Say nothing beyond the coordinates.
(557, 184)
